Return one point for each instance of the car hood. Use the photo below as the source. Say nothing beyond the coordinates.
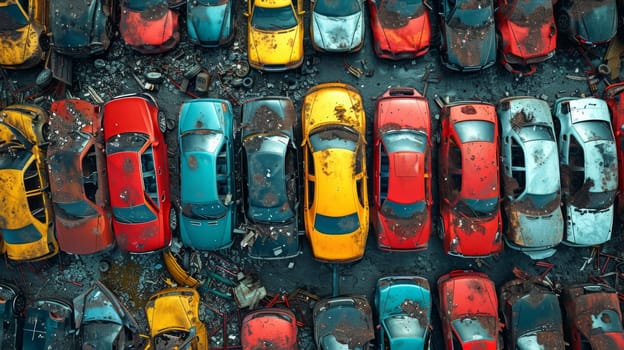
(542, 158)
(473, 48)
(79, 26)
(532, 41)
(535, 231)
(601, 165)
(207, 23)
(338, 33)
(206, 234)
(587, 226)
(599, 24)
(413, 35)
(24, 44)
(275, 47)
(137, 29)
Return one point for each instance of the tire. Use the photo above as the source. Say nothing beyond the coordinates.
(154, 77)
(162, 122)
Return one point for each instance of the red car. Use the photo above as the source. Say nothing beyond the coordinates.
(136, 155)
(78, 182)
(270, 328)
(150, 26)
(615, 101)
(469, 180)
(527, 33)
(469, 311)
(402, 171)
(401, 29)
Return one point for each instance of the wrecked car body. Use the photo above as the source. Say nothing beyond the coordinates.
(12, 307)
(337, 26)
(528, 34)
(78, 179)
(103, 322)
(210, 23)
(335, 185)
(82, 28)
(205, 138)
(470, 222)
(469, 311)
(49, 324)
(468, 35)
(270, 161)
(615, 101)
(532, 316)
(173, 320)
(589, 22)
(401, 30)
(23, 33)
(403, 304)
(149, 27)
(594, 317)
(136, 152)
(589, 172)
(275, 34)
(530, 172)
(343, 322)
(26, 216)
(270, 328)
(402, 160)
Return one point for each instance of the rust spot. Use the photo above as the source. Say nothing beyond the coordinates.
(192, 162)
(468, 109)
(413, 309)
(394, 19)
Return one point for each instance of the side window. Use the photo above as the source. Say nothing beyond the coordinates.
(25, 4)
(149, 175)
(518, 168)
(359, 156)
(455, 166)
(222, 174)
(384, 172)
(576, 161)
(89, 174)
(360, 190)
(456, 343)
(310, 162)
(310, 182)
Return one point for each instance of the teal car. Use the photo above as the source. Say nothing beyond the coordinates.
(210, 22)
(403, 304)
(207, 187)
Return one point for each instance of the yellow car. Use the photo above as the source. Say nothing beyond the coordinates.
(25, 211)
(23, 33)
(173, 320)
(275, 34)
(335, 190)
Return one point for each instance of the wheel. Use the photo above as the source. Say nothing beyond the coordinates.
(162, 122)
(19, 305)
(154, 77)
(173, 219)
(563, 21)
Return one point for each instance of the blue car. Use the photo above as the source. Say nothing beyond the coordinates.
(403, 304)
(207, 188)
(209, 22)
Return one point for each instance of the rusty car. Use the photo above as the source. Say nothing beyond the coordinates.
(173, 320)
(136, 152)
(403, 305)
(275, 34)
(530, 176)
(270, 161)
(532, 315)
(205, 138)
(82, 28)
(149, 27)
(24, 29)
(269, 328)
(102, 322)
(589, 171)
(527, 34)
(615, 101)
(470, 222)
(26, 215)
(48, 324)
(402, 172)
(593, 317)
(401, 29)
(588, 22)
(336, 212)
(12, 307)
(469, 311)
(78, 178)
(468, 35)
(343, 322)
(210, 23)
(337, 26)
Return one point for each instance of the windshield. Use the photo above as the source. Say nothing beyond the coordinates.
(273, 18)
(208, 211)
(475, 131)
(541, 203)
(341, 137)
(594, 130)
(478, 208)
(531, 342)
(134, 215)
(402, 8)
(202, 141)
(142, 5)
(600, 200)
(468, 14)
(24, 235)
(402, 210)
(532, 12)
(337, 8)
(471, 329)
(127, 142)
(404, 140)
(402, 326)
(535, 133)
(336, 225)
(12, 18)
(212, 2)
(80, 209)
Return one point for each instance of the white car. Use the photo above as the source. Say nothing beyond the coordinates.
(337, 25)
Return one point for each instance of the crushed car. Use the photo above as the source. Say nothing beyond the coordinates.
(210, 23)
(24, 40)
(402, 159)
(470, 222)
(343, 322)
(530, 176)
(270, 162)
(136, 152)
(269, 328)
(587, 22)
(615, 101)
(26, 215)
(49, 324)
(336, 212)
(403, 305)
(205, 139)
(337, 26)
(149, 27)
(589, 171)
(78, 178)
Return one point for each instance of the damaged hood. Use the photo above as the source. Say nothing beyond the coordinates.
(338, 33)
(414, 35)
(22, 47)
(601, 165)
(209, 24)
(275, 47)
(78, 25)
(588, 227)
(532, 41)
(139, 29)
(599, 24)
(471, 48)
